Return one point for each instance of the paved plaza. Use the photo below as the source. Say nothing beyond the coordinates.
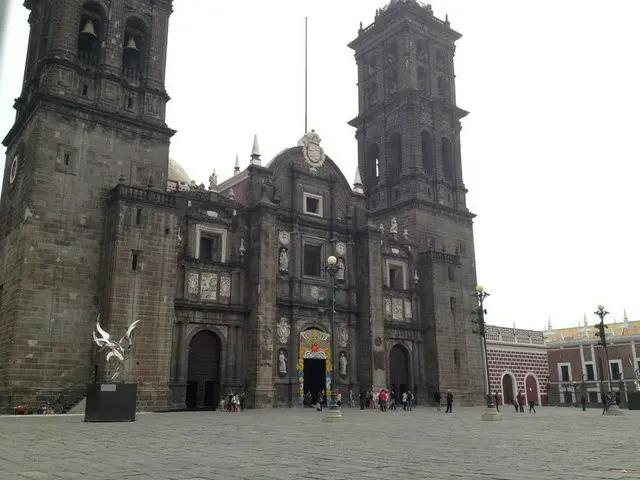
(293, 444)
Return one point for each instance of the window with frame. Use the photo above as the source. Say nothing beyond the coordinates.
(312, 204)
(615, 370)
(593, 397)
(568, 396)
(564, 373)
(590, 371)
(396, 277)
(312, 260)
(210, 250)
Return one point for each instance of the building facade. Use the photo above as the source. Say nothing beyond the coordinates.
(517, 363)
(578, 363)
(230, 282)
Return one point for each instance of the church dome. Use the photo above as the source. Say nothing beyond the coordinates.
(177, 172)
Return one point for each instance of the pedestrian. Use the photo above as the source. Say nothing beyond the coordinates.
(449, 402)
(437, 398)
(532, 406)
(496, 400)
(392, 401)
(605, 402)
(409, 400)
(362, 400)
(583, 401)
(404, 400)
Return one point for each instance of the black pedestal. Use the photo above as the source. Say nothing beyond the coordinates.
(111, 402)
(634, 401)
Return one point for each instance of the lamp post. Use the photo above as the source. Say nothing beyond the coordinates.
(601, 332)
(333, 414)
(491, 413)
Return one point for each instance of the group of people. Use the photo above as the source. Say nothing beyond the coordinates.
(233, 402)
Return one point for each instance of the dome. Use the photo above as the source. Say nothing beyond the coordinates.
(177, 172)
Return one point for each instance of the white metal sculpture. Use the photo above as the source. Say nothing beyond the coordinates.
(118, 350)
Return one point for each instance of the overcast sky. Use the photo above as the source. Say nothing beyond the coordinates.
(550, 149)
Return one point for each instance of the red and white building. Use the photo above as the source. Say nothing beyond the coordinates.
(578, 364)
(517, 363)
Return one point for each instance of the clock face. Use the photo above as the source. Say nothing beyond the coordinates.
(13, 171)
(284, 237)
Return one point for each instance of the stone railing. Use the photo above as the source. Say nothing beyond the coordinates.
(142, 194)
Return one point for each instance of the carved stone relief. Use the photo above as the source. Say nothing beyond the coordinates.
(192, 283)
(283, 330)
(208, 286)
(407, 309)
(315, 292)
(387, 306)
(397, 313)
(225, 286)
(343, 336)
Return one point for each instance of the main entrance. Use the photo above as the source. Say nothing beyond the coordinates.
(203, 374)
(314, 377)
(399, 371)
(508, 389)
(314, 363)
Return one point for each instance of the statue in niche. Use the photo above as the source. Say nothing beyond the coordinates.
(340, 272)
(394, 225)
(283, 262)
(343, 364)
(282, 363)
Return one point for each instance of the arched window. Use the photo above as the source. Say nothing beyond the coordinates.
(427, 153)
(422, 79)
(91, 33)
(394, 156)
(134, 48)
(373, 164)
(448, 167)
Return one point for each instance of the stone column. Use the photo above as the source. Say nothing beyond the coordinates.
(231, 356)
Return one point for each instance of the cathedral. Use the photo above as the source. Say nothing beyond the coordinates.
(284, 279)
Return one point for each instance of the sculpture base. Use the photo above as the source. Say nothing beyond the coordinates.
(334, 414)
(614, 411)
(633, 402)
(491, 415)
(111, 402)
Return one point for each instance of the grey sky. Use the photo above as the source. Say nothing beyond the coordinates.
(549, 150)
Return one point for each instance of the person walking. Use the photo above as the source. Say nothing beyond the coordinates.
(409, 400)
(496, 400)
(449, 402)
(583, 402)
(532, 406)
(437, 398)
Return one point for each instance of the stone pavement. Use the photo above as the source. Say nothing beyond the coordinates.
(293, 444)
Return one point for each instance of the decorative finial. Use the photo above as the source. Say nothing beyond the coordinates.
(624, 317)
(241, 250)
(231, 194)
(415, 276)
(357, 182)
(405, 234)
(549, 324)
(361, 28)
(213, 181)
(584, 320)
(236, 169)
(255, 152)
(122, 178)
(514, 325)
(150, 182)
(446, 19)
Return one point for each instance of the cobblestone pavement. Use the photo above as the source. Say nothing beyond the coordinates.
(556, 443)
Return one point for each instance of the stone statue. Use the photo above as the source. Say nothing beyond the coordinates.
(282, 363)
(284, 260)
(213, 181)
(394, 225)
(343, 364)
(118, 350)
(382, 228)
(340, 272)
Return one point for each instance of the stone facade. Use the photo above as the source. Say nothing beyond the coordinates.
(517, 363)
(230, 283)
(577, 362)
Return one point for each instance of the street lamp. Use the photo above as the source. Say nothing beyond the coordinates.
(491, 413)
(601, 332)
(333, 414)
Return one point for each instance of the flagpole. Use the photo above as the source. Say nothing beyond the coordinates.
(305, 75)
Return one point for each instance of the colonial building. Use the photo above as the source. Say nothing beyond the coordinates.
(578, 363)
(230, 282)
(517, 363)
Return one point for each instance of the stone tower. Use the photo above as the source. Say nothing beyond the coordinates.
(91, 114)
(408, 132)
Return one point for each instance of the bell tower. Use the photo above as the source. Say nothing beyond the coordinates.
(91, 113)
(408, 132)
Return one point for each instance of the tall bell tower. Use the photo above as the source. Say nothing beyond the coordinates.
(408, 132)
(91, 113)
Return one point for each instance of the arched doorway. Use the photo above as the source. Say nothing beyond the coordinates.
(399, 371)
(508, 389)
(314, 364)
(203, 375)
(531, 389)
